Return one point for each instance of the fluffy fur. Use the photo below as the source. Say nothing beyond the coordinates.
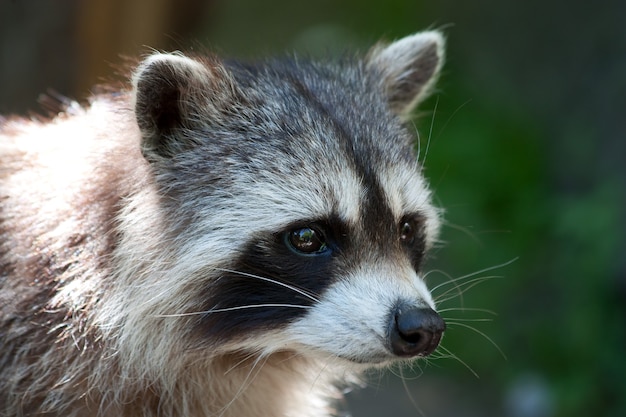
(156, 256)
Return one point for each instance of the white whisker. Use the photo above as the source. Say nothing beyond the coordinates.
(221, 310)
(490, 340)
(451, 355)
(457, 319)
(466, 309)
(410, 396)
(246, 358)
(472, 235)
(273, 281)
(460, 289)
(481, 271)
(246, 382)
(430, 131)
(452, 115)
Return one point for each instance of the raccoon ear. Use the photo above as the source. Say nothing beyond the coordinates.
(408, 69)
(173, 92)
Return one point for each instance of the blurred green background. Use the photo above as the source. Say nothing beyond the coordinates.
(526, 140)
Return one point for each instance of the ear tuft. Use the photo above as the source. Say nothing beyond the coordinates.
(408, 68)
(170, 93)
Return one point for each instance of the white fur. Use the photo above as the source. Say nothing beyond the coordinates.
(351, 321)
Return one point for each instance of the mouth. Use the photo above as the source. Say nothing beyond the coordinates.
(374, 360)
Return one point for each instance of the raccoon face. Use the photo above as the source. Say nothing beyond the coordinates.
(297, 198)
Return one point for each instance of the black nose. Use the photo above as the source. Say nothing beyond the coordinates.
(415, 331)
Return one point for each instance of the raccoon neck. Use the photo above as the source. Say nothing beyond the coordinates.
(282, 384)
(237, 385)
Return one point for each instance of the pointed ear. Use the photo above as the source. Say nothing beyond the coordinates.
(172, 93)
(408, 69)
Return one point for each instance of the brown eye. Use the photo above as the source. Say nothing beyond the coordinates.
(306, 240)
(407, 232)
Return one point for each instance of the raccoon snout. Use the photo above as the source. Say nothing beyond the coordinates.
(415, 331)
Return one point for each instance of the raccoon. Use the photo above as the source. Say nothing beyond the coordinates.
(218, 238)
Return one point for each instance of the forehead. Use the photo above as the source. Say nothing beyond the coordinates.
(310, 185)
(324, 143)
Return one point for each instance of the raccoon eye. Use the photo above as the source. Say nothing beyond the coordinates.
(306, 240)
(407, 232)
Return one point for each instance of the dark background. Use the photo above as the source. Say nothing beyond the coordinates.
(526, 151)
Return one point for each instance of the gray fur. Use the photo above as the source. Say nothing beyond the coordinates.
(142, 266)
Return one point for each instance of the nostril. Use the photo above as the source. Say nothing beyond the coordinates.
(415, 331)
(408, 332)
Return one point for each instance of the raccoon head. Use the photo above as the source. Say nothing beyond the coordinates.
(296, 200)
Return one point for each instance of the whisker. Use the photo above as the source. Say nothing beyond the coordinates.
(273, 281)
(409, 395)
(437, 271)
(435, 356)
(327, 363)
(466, 309)
(457, 319)
(481, 271)
(450, 355)
(413, 365)
(246, 382)
(451, 116)
(455, 323)
(430, 130)
(221, 310)
(467, 231)
(246, 358)
(418, 141)
(450, 281)
(460, 289)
